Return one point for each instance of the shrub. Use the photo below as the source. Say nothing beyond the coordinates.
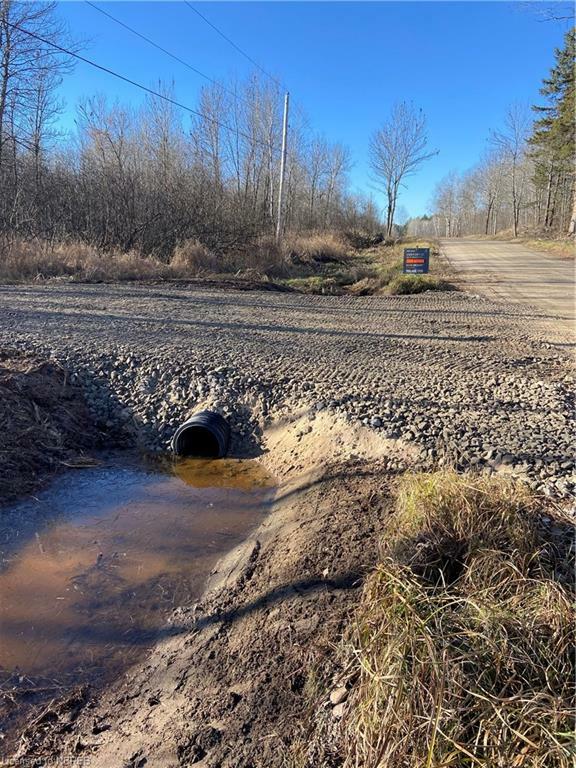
(265, 256)
(361, 240)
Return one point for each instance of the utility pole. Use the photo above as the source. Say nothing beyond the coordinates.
(279, 221)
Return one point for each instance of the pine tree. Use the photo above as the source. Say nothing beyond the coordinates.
(553, 138)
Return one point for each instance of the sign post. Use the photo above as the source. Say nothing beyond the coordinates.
(416, 261)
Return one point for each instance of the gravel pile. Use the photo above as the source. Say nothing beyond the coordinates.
(471, 382)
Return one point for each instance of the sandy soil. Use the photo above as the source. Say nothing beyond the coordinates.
(238, 677)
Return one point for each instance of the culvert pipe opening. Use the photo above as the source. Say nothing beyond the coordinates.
(205, 435)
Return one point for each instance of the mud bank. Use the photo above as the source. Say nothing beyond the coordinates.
(241, 675)
(47, 427)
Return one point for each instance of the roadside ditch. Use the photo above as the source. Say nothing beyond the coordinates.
(244, 671)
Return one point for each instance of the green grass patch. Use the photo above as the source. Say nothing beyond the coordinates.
(310, 284)
(373, 270)
(402, 285)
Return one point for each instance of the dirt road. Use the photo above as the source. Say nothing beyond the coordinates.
(511, 271)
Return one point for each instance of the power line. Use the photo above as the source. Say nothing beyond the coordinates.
(232, 43)
(164, 50)
(137, 85)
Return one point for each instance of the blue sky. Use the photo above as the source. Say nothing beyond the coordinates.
(345, 64)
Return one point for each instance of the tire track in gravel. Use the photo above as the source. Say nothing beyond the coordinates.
(475, 381)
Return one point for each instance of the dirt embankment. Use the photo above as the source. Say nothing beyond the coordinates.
(250, 675)
(239, 677)
(46, 424)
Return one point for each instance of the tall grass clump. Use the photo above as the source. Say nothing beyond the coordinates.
(22, 260)
(463, 641)
(321, 247)
(295, 256)
(193, 257)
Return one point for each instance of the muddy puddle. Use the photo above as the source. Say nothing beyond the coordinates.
(92, 568)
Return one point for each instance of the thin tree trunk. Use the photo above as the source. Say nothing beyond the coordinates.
(6, 52)
(554, 203)
(572, 225)
(548, 199)
(488, 213)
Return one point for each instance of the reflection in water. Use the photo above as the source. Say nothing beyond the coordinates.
(114, 552)
(223, 473)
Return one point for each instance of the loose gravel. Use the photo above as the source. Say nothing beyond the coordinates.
(470, 382)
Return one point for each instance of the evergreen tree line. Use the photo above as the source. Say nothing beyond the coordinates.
(147, 179)
(525, 183)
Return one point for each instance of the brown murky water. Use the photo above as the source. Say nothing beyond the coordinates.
(91, 570)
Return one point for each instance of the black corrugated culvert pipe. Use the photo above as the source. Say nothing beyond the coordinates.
(204, 435)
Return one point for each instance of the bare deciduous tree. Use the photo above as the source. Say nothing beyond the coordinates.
(511, 142)
(147, 179)
(397, 150)
(489, 175)
(447, 204)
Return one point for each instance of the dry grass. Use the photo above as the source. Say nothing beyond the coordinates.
(23, 260)
(264, 257)
(323, 262)
(192, 257)
(321, 248)
(399, 284)
(559, 246)
(376, 269)
(295, 256)
(463, 640)
(562, 248)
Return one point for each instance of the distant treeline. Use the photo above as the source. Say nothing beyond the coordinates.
(147, 179)
(526, 182)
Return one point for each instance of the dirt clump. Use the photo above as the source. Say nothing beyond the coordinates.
(46, 424)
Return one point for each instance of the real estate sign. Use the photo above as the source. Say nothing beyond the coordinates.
(416, 261)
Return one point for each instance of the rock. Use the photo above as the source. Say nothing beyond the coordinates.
(338, 710)
(375, 422)
(338, 695)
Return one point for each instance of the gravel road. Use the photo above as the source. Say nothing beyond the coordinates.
(511, 271)
(468, 380)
